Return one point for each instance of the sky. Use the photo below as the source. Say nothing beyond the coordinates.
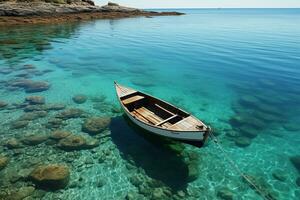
(206, 3)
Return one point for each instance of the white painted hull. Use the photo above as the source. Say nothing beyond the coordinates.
(179, 135)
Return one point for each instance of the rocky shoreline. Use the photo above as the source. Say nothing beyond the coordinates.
(15, 13)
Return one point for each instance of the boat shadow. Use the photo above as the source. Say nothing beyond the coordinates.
(150, 153)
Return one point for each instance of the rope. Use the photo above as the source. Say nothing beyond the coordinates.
(234, 165)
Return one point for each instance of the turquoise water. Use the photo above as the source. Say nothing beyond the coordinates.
(238, 70)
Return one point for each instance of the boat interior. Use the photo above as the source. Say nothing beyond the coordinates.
(158, 113)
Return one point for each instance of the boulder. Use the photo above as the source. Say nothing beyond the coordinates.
(51, 177)
(80, 98)
(56, 106)
(96, 125)
(3, 161)
(158, 194)
(242, 141)
(54, 123)
(30, 86)
(3, 104)
(35, 139)
(193, 172)
(59, 134)
(248, 131)
(72, 142)
(70, 113)
(225, 194)
(31, 108)
(33, 100)
(296, 161)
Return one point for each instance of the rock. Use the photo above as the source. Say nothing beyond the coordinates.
(298, 181)
(31, 108)
(35, 139)
(131, 196)
(51, 177)
(70, 113)
(136, 180)
(80, 98)
(21, 193)
(249, 100)
(158, 194)
(31, 86)
(29, 116)
(279, 175)
(13, 144)
(19, 124)
(57, 106)
(54, 123)
(33, 100)
(3, 161)
(72, 142)
(3, 104)
(100, 182)
(96, 125)
(296, 162)
(242, 141)
(59, 134)
(288, 126)
(225, 194)
(248, 131)
(192, 171)
(91, 143)
(232, 134)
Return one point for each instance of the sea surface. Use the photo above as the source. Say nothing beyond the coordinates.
(236, 69)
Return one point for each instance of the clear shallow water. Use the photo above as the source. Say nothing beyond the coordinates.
(238, 70)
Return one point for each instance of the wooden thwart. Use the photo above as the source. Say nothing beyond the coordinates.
(132, 99)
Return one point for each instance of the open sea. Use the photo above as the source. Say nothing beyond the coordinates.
(236, 69)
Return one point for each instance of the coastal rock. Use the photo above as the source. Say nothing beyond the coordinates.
(3, 161)
(31, 108)
(296, 161)
(33, 100)
(51, 177)
(70, 113)
(54, 123)
(158, 194)
(96, 125)
(13, 144)
(59, 134)
(35, 139)
(114, 7)
(3, 104)
(72, 142)
(79, 99)
(225, 194)
(56, 106)
(193, 173)
(248, 131)
(242, 141)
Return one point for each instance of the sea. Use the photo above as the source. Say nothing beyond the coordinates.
(238, 70)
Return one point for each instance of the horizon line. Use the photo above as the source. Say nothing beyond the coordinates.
(228, 8)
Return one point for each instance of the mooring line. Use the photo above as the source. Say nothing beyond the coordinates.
(234, 165)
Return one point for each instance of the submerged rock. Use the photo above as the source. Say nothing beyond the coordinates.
(19, 124)
(158, 194)
(242, 141)
(72, 142)
(35, 139)
(54, 123)
(33, 115)
(291, 126)
(298, 181)
(279, 175)
(51, 177)
(70, 113)
(31, 86)
(193, 172)
(3, 104)
(248, 131)
(56, 106)
(13, 144)
(33, 100)
(3, 161)
(296, 161)
(31, 108)
(80, 98)
(225, 194)
(21, 193)
(59, 134)
(96, 125)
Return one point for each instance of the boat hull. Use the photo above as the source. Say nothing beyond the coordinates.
(178, 135)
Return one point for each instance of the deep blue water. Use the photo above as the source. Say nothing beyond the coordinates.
(236, 69)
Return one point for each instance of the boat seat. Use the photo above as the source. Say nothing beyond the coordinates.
(166, 120)
(132, 99)
(148, 115)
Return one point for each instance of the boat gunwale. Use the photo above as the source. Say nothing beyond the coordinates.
(148, 124)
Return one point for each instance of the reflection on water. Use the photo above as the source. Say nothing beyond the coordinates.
(240, 78)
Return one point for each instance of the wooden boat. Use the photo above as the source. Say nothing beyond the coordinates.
(160, 117)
